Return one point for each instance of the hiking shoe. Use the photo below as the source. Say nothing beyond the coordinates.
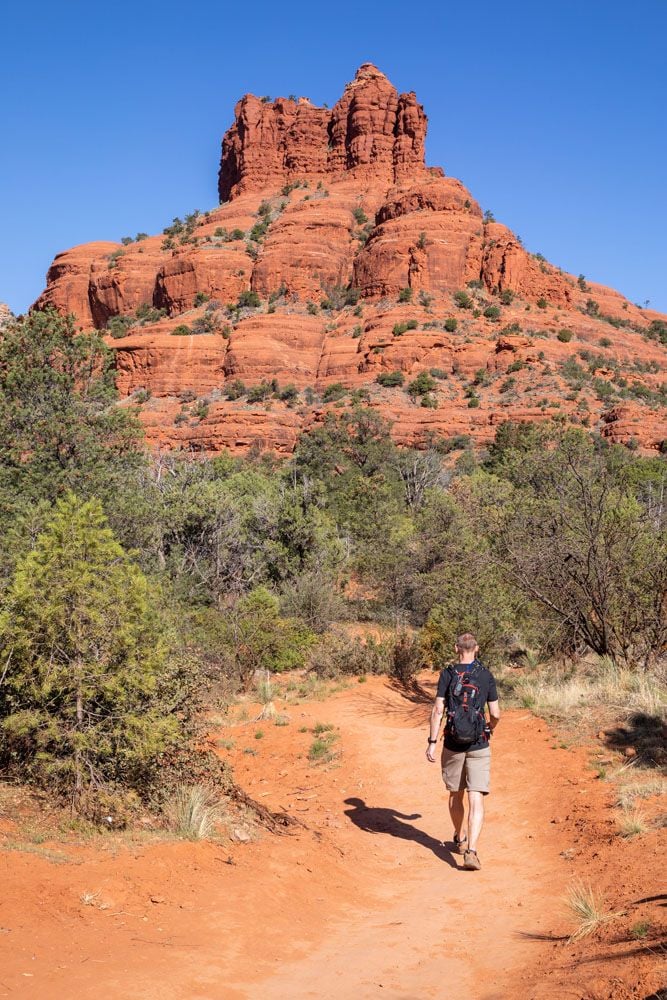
(458, 844)
(471, 861)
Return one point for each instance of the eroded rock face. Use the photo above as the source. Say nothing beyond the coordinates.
(372, 131)
(338, 257)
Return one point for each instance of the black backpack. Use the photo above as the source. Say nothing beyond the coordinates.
(465, 711)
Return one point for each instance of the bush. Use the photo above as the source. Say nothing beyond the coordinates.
(451, 324)
(85, 662)
(507, 297)
(360, 216)
(390, 379)
(565, 336)
(492, 312)
(235, 389)
(542, 304)
(333, 392)
(422, 384)
(405, 295)
(249, 300)
(314, 599)
(462, 300)
(182, 330)
(337, 654)
(119, 326)
(258, 393)
(200, 298)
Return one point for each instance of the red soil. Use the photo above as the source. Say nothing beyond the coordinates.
(363, 903)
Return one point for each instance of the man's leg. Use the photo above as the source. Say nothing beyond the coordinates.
(457, 812)
(475, 817)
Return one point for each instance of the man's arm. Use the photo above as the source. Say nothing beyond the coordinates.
(494, 714)
(437, 713)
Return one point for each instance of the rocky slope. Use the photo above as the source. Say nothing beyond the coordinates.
(338, 264)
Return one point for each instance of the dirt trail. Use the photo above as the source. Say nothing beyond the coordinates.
(431, 929)
(365, 903)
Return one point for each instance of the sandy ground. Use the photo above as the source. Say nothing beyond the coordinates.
(364, 901)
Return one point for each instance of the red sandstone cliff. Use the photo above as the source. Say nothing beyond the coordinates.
(359, 256)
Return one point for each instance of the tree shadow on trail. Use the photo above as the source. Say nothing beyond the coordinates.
(374, 819)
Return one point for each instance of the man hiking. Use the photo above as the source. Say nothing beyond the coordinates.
(464, 690)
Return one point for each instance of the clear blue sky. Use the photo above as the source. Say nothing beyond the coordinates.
(552, 114)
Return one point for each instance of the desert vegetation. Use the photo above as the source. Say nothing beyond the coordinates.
(140, 590)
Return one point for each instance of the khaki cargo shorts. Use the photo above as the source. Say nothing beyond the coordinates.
(466, 770)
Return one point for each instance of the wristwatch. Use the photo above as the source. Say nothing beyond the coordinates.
(429, 740)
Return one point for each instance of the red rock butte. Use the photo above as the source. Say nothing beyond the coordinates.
(338, 266)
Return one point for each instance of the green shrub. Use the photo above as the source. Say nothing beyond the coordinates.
(439, 374)
(333, 392)
(462, 300)
(80, 702)
(492, 312)
(390, 379)
(451, 324)
(507, 297)
(422, 384)
(565, 336)
(542, 304)
(235, 389)
(182, 330)
(258, 393)
(249, 300)
(200, 298)
(405, 295)
(360, 216)
(119, 326)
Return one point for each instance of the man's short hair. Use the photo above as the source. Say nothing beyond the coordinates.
(466, 642)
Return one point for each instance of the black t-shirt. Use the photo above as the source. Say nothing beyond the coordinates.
(487, 692)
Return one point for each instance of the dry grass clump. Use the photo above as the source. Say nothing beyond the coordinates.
(632, 822)
(193, 812)
(588, 909)
(559, 692)
(629, 794)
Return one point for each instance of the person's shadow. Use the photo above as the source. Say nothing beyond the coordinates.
(374, 819)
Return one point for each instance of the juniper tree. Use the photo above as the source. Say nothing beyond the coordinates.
(82, 662)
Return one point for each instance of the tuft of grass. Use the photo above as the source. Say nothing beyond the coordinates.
(281, 720)
(225, 744)
(588, 909)
(321, 749)
(259, 735)
(640, 930)
(193, 812)
(632, 823)
(265, 690)
(323, 727)
(629, 794)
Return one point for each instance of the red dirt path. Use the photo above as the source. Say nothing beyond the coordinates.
(362, 904)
